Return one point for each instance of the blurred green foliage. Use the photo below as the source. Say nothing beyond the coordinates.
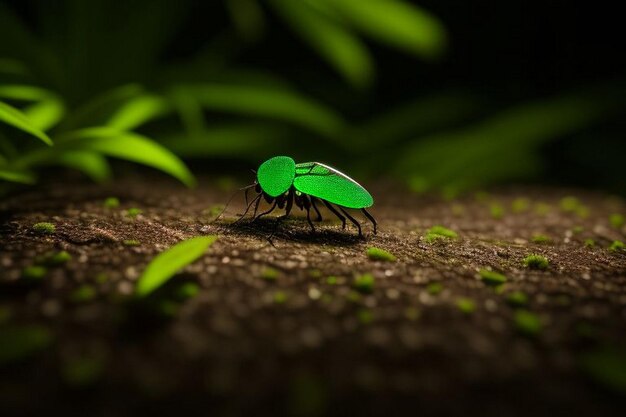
(84, 81)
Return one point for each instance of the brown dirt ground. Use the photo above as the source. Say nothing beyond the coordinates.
(302, 344)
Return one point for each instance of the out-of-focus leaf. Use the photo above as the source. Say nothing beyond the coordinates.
(247, 17)
(17, 119)
(189, 110)
(606, 366)
(95, 166)
(169, 262)
(12, 66)
(99, 109)
(131, 147)
(21, 177)
(17, 343)
(138, 111)
(272, 103)
(341, 48)
(48, 109)
(503, 147)
(395, 22)
(24, 92)
(237, 140)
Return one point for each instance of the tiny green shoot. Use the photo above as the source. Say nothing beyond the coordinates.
(527, 323)
(490, 277)
(466, 305)
(517, 299)
(496, 210)
(439, 232)
(590, 243)
(377, 254)
(44, 228)
(134, 212)
(616, 220)
(166, 264)
(539, 238)
(434, 288)
(34, 272)
(364, 283)
(535, 261)
(111, 202)
(617, 246)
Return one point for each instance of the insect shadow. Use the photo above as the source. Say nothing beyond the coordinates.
(270, 229)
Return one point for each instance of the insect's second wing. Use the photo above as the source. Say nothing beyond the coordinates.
(327, 183)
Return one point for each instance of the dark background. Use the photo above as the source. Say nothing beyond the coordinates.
(500, 55)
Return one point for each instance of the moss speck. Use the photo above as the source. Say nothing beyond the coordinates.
(332, 280)
(616, 220)
(590, 243)
(440, 232)
(34, 272)
(44, 228)
(134, 212)
(520, 205)
(539, 238)
(111, 202)
(280, 297)
(83, 294)
(466, 305)
(364, 283)
(496, 210)
(269, 274)
(131, 242)
(535, 261)
(365, 316)
(492, 277)
(617, 246)
(517, 299)
(527, 323)
(377, 254)
(187, 290)
(434, 288)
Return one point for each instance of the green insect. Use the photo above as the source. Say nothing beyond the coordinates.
(282, 183)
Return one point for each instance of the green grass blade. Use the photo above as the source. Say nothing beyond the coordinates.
(45, 114)
(19, 120)
(131, 147)
(395, 22)
(337, 45)
(93, 165)
(279, 104)
(21, 177)
(139, 111)
(169, 262)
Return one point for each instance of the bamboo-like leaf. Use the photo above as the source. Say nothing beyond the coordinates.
(336, 44)
(166, 264)
(395, 22)
(280, 104)
(48, 109)
(139, 111)
(131, 147)
(17, 119)
(21, 177)
(94, 165)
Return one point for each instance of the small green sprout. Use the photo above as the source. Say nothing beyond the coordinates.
(34, 272)
(492, 277)
(131, 242)
(332, 280)
(517, 299)
(111, 202)
(590, 243)
(377, 254)
(496, 210)
(44, 228)
(364, 283)
(466, 305)
(539, 238)
(280, 297)
(134, 212)
(527, 323)
(535, 261)
(520, 205)
(569, 204)
(187, 290)
(365, 316)
(616, 220)
(434, 288)
(617, 246)
(440, 232)
(83, 294)
(269, 274)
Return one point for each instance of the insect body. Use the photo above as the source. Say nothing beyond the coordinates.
(283, 183)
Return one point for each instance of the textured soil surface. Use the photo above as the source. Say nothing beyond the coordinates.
(258, 328)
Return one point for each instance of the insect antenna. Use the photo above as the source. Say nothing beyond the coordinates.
(255, 199)
(247, 188)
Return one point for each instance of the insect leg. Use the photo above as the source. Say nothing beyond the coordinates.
(319, 215)
(271, 209)
(372, 219)
(352, 219)
(336, 213)
(256, 207)
(307, 207)
(256, 199)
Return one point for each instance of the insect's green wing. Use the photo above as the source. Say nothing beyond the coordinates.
(327, 183)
